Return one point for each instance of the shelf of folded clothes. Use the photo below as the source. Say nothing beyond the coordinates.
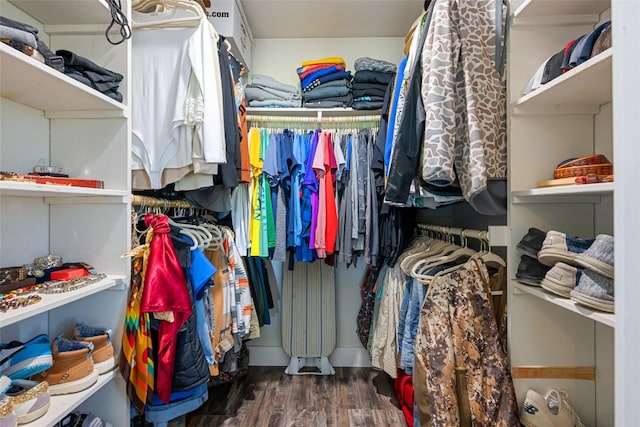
(568, 304)
(27, 81)
(66, 12)
(540, 8)
(51, 301)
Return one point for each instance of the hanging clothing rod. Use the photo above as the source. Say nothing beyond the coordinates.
(481, 235)
(320, 119)
(153, 202)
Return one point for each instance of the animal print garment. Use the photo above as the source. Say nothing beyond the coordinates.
(464, 96)
(460, 353)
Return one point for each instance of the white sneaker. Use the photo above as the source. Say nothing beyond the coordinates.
(552, 410)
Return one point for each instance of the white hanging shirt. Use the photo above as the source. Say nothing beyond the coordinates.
(162, 62)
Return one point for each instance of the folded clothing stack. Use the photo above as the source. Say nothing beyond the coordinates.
(24, 37)
(573, 54)
(265, 91)
(325, 83)
(91, 74)
(370, 82)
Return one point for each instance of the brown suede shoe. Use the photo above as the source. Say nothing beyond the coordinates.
(103, 359)
(72, 369)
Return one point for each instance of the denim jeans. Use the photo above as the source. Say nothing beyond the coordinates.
(418, 291)
(160, 415)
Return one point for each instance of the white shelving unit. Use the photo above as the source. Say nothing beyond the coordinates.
(571, 116)
(48, 116)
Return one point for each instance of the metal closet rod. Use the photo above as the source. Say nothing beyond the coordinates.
(315, 119)
(462, 232)
(154, 202)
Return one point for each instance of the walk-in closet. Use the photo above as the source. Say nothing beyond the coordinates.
(312, 213)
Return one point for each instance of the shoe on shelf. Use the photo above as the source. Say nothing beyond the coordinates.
(599, 256)
(103, 359)
(531, 243)
(30, 399)
(5, 382)
(530, 271)
(72, 369)
(8, 418)
(595, 291)
(561, 279)
(21, 360)
(561, 247)
(552, 410)
(72, 419)
(90, 420)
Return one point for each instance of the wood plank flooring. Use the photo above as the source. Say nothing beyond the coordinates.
(353, 397)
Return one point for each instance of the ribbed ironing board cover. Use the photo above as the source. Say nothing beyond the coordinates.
(309, 310)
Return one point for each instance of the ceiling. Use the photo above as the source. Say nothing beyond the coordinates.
(328, 18)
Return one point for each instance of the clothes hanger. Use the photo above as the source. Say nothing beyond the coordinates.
(485, 254)
(461, 252)
(179, 22)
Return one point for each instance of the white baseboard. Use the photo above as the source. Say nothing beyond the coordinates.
(341, 357)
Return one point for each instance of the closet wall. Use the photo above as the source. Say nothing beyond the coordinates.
(279, 59)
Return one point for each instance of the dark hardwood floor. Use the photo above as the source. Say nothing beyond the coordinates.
(270, 398)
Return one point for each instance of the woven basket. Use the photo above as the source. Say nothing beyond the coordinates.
(574, 171)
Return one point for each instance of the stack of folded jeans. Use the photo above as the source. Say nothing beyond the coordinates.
(24, 37)
(265, 91)
(86, 72)
(370, 82)
(325, 83)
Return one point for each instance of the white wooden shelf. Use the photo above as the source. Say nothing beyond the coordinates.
(32, 83)
(66, 12)
(52, 301)
(539, 8)
(61, 405)
(586, 193)
(581, 90)
(27, 189)
(568, 304)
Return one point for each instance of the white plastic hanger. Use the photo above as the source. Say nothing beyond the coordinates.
(173, 22)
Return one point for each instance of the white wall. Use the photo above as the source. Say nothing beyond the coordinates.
(279, 58)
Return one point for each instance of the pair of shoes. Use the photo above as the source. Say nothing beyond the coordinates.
(73, 369)
(30, 399)
(76, 419)
(561, 247)
(531, 271)
(20, 360)
(77, 363)
(103, 358)
(583, 269)
(552, 410)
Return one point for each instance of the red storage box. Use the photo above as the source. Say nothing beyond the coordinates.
(68, 273)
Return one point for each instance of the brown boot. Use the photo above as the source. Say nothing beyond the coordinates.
(103, 359)
(72, 369)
